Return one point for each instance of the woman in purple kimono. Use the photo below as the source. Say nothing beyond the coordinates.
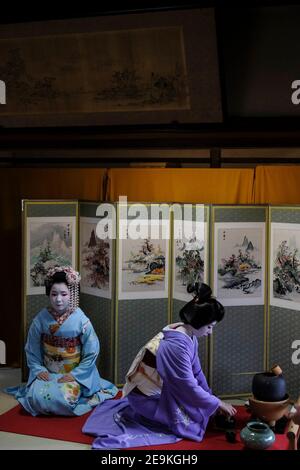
(166, 396)
(61, 351)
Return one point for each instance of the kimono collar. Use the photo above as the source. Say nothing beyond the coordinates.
(60, 319)
(170, 332)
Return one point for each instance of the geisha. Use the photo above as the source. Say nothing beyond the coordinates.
(166, 396)
(61, 351)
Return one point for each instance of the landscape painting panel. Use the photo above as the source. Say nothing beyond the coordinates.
(95, 260)
(110, 71)
(239, 270)
(188, 257)
(143, 266)
(50, 242)
(285, 266)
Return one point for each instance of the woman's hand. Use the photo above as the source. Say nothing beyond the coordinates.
(66, 378)
(296, 415)
(227, 409)
(43, 376)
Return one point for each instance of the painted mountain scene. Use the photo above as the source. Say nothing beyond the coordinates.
(50, 243)
(95, 261)
(188, 266)
(143, 268)
(240, 273)
(285, 288)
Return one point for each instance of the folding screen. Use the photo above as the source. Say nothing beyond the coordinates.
(49, 236)
(238, 262)
(190, 255)
(284, 294)
(96, 266)
(134, 282)
(142, 281)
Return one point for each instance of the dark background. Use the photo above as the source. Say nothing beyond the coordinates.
(258, 58)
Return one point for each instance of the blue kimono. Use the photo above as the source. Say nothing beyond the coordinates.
(70, 348)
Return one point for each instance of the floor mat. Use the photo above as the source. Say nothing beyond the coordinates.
(18, 421)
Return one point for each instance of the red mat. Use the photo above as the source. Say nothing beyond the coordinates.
(18, 421)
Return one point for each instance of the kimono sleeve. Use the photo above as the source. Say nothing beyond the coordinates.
(174, 364)
(84, 372)
(33, 351)
(199, 375)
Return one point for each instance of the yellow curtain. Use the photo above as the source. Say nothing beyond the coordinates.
(277, 185)
(210, 186)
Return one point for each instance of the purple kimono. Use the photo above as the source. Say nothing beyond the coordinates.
(181, 410)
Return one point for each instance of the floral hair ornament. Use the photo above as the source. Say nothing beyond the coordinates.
(67, 275)
(72, 276)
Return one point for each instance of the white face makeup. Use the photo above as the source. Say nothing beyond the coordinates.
(60, 298)
(204, 330)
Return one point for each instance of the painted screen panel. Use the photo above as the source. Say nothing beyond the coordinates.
(51, 241)
(239, 263)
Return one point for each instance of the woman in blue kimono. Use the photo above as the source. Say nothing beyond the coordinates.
(166, 396)
(61, 351)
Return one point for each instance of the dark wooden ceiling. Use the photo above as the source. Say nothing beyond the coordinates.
(28, 12)
(235, 131)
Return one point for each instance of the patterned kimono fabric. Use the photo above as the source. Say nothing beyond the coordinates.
(69, 346)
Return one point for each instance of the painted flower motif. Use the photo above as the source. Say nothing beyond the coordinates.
(182, 417)
(71, 392)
